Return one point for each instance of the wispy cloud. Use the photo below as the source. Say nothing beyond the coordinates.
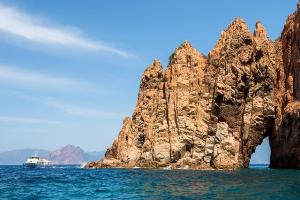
(25, 78)
(68, 108)
(5, 119)
(80, 111)
(32, 28)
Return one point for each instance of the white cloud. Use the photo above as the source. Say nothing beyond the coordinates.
(25, 78)
(5, 119)
(29, 27)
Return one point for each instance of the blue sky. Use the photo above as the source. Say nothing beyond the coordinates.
(70, 70)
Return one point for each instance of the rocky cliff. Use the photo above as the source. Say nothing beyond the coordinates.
(211, 112)
(285, 141)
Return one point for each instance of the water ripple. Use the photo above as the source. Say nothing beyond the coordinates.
(17, 182)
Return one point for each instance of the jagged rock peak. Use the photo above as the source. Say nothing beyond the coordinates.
(153, 68)
(152, 74)
(260, 31)
(234, 37)
(186, 44)
(186, 53)
(238, 25)
(156, 63)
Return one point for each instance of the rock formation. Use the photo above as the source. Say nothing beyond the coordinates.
(211, 112)
(285, 141)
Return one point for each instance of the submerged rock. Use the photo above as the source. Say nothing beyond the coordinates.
(212, 112)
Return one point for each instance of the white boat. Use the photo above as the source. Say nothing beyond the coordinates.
(36, 161)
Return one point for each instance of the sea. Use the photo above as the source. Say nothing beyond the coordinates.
(73, 182)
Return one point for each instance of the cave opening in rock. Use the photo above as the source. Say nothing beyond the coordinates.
(262, 153)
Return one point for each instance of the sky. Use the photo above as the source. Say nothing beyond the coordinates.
(70, 70)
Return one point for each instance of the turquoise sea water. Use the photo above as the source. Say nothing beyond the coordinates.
(71, 182)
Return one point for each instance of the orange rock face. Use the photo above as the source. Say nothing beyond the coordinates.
(285, 141)
(212, 112)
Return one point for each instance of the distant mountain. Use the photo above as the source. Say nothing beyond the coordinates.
(72, 155)
(65, 155)
(68, 155)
